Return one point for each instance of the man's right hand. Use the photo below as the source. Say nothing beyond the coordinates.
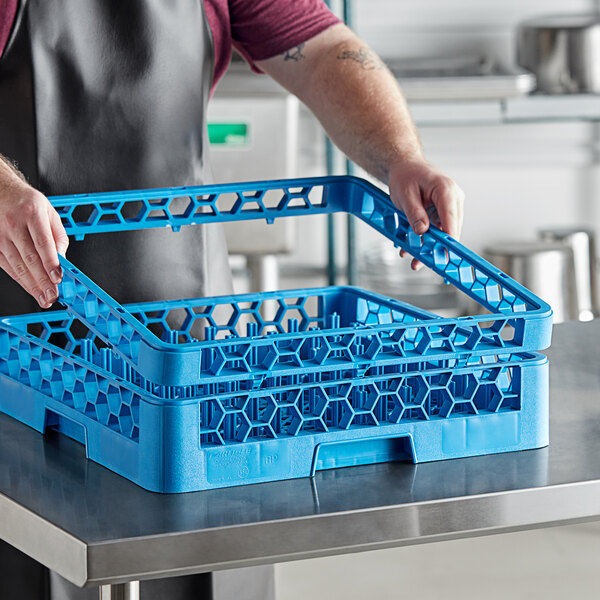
(31, 236)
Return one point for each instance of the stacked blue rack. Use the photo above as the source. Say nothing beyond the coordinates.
(195, 394)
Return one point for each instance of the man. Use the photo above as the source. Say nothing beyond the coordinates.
(100, 95)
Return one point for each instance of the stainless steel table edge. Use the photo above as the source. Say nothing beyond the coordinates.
(148, 557)
(43, 541)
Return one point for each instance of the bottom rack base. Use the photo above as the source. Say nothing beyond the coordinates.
(167, 454)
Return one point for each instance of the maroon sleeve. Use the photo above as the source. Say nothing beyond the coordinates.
(261, 29)
(8, 8)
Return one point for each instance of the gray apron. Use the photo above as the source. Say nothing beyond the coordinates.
(99, 95)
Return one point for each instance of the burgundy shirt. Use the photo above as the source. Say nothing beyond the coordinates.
(258, 29)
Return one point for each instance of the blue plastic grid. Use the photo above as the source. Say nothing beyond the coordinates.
(336, 377)
(519, 321)
(415, 411)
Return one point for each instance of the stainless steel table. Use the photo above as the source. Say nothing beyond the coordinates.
(95, 528)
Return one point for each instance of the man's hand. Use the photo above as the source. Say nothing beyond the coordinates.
(427, 196)
(31, 235)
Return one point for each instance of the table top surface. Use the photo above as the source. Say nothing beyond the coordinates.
(95, 527)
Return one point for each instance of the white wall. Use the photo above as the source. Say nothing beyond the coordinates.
(437, 27)
(557, 563)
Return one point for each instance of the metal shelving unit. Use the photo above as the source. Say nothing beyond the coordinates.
(526, 109)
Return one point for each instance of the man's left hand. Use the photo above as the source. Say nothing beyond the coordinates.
(426, 196)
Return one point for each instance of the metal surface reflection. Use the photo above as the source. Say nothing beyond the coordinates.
(95, 505)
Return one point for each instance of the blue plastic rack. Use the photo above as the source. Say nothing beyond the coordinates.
(194, 394)
(54, 375)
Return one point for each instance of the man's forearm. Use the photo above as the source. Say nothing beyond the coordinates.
(355, 97)
(362, 109)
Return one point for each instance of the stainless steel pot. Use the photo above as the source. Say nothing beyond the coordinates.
(546, 268)
(563, 51)
(582, 242)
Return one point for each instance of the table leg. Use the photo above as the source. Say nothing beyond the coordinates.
(120, 591)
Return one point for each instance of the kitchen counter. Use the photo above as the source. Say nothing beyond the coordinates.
(94, 527)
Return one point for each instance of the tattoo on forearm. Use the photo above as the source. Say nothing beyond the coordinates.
(295, 53)
(366, 58)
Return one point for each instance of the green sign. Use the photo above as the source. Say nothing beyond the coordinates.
(229, 134)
